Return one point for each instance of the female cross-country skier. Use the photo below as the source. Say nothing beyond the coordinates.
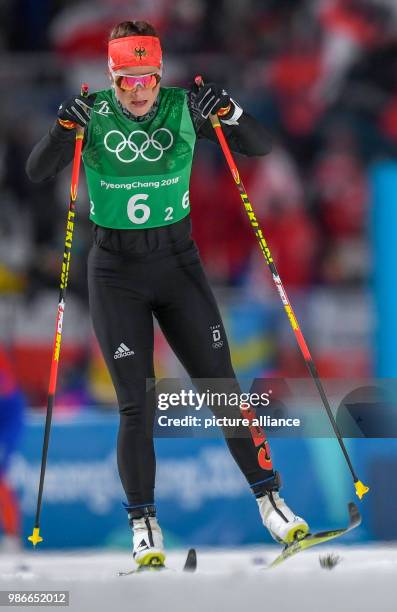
(137, 152)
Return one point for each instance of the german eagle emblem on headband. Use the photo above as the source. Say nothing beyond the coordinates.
(140, 52)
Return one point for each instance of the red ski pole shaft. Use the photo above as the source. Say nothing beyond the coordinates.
(361, 489)
(35, 538)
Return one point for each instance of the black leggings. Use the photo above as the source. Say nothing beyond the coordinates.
(124, 293)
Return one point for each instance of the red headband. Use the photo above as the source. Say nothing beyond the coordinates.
(134, 51)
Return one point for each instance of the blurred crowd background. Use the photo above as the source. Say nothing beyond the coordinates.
(320, 74)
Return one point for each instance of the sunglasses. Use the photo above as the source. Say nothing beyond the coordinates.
(127, 82)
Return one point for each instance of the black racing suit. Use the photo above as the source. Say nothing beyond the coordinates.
(135, 274)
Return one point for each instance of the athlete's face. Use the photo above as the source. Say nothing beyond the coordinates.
(140, 101)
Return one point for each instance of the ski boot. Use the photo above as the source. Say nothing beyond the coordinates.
(147, 539)
(284, 526)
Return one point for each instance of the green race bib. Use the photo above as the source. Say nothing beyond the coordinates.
(138, 173)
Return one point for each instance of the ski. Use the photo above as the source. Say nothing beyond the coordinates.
(191, 561)
(310, 540)
(318, 538)
(190, 565)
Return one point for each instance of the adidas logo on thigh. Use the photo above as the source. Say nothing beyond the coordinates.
(123, 351)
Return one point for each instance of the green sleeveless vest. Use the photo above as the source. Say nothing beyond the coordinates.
(138, 173)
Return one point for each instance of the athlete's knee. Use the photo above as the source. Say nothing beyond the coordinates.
(136, 416)
(132, 409)
(133, 397)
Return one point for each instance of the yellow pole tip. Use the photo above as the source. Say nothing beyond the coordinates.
(35, 538)
(361, 489)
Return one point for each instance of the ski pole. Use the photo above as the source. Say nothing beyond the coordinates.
(35, 538)
(361, 489)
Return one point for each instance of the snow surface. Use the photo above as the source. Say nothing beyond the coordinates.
(225, 581)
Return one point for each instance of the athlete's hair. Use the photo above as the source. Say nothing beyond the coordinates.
(132, 28)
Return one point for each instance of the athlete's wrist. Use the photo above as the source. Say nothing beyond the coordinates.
(61, 134)
(233, 115)
(66, 124)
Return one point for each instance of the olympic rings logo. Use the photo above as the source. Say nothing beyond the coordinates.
(138, 143)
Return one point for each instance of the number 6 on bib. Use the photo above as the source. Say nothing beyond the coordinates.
(133, 207)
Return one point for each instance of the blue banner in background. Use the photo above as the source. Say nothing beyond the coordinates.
(202, 497)
(383, 224)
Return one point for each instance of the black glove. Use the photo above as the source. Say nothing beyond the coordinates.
(208, 99)
(76, 110)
